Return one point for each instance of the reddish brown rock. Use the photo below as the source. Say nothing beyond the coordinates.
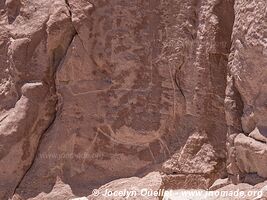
(259, 134)
(60, 191)
(251, 155)
(133, 188)
(93, 91)
(30, 53)
(246, 91)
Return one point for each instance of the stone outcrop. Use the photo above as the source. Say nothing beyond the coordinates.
(94, 94)
(259, 135)
(246, 91)
(258, 191)
(60, 191)
(138, 188)
(34, 39)
(251, 155)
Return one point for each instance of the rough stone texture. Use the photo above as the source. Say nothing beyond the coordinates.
(195, 167)
(259, 135)
(126, 95)
(246, 92)
(93, 91)
(151, 182)
(261, 187)
(30, 53)
(219, 183)
(60, 191)
(117, 111)
(251, 155)
(229, 192)
(203, 155)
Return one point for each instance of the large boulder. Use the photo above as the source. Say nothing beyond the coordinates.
(251, 155)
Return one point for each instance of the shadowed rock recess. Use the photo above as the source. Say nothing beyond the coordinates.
(131, 94)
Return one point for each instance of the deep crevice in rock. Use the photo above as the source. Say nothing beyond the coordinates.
(58, 57)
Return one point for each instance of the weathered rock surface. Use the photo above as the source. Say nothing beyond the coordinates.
(246, 93)
(219, 183)
(231, 191)
(138, 188)
(60, 191)
(34, 37)
(197, 166)
(258, 191)
(93, 91)
(251, 155)
(126, 99)
(259, 135)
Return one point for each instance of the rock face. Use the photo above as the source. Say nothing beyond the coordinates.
(93, 91)
(246, 93)
(138, 188)
(34, 38)
(60, 191)
(250, 154)
(258, 191)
